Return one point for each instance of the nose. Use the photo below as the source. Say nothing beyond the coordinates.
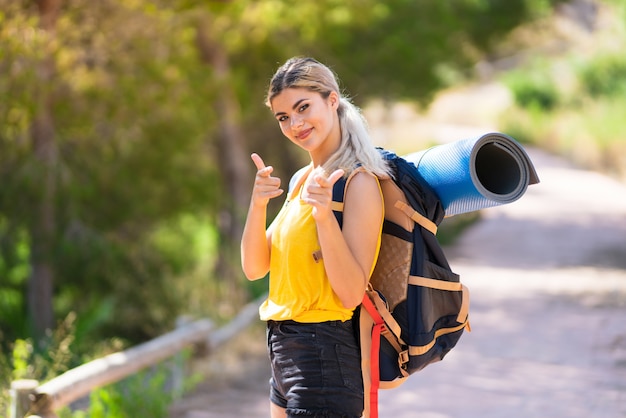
(296, 121)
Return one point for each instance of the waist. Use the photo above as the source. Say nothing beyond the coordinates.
(280, 308)
(332, 323)
(334, 330)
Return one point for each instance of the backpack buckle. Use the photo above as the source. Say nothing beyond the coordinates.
(384, 331)
(403, 357)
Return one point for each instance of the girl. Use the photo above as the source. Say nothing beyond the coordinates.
(318, 270)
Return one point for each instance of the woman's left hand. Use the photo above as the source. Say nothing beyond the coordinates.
(318, 192)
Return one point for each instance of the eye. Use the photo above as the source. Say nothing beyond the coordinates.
(303, 107)
(281, 118)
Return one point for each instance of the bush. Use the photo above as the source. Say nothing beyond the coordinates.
(604, 76)
(29, 361)
(533, 90)
(147, 393)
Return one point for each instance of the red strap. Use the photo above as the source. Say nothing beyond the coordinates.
(378, 328)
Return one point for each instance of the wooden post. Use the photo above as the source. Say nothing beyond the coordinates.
(41, 406)
(20, 391)
(177, 365)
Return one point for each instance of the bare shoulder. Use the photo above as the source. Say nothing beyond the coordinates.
(363, 187)
(363, 180)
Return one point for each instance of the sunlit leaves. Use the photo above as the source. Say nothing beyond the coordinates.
(134, 111)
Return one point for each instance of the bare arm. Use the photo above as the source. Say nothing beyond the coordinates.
(256, 240)
(349, 253)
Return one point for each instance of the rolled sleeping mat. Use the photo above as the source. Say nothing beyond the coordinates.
(476, 173)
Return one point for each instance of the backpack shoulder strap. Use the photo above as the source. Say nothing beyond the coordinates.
(417, 217)
(339, 194)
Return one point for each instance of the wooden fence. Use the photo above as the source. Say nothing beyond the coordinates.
(29, 398)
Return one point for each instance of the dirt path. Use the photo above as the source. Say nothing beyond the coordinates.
(547, 275)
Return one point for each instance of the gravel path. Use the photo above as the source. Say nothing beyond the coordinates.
(547, 276)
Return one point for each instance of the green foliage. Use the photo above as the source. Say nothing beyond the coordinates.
(533, 89)
(148, 393)
(395, 47)
(604, 76)
(22, 351)
(5, 382)
(583, 120)
(144, 394)
(14, 271)
(137, 193)
(49, 358)
(41, 362)
(130, 132)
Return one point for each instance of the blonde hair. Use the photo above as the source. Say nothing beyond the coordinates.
(356, 148)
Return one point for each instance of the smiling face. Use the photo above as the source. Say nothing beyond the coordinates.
(309, 120)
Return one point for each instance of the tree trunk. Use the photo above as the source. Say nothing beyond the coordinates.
(42, 231)
(234, 163)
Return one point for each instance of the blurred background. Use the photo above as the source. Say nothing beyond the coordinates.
(126, 129)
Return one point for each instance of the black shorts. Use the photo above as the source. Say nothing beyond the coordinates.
(316, 369)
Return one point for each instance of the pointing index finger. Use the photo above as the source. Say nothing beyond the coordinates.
(336, 175)
(258, 161)
(327, 181)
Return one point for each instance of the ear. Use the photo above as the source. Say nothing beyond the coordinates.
(333, 100)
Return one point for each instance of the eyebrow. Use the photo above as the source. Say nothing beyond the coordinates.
(296, 104)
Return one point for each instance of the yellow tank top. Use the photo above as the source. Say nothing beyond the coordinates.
(299, 289)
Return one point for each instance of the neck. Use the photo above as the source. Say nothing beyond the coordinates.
(322, 154)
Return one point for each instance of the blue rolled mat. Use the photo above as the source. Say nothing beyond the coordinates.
(476, 173)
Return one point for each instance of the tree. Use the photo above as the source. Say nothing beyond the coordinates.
(122, 137)
(43, 226)
(232, 157)
(119, 119)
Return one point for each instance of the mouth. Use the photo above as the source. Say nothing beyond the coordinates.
(304, 134)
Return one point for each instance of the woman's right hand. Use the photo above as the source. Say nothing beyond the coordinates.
(256, 239)
(266, 187)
